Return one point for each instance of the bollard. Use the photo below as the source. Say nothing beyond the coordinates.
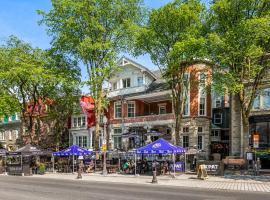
(154, 180)
(80, 170)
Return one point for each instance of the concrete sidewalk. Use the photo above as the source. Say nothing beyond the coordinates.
(184, 180)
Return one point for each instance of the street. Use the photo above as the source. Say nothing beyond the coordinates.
(27, 188)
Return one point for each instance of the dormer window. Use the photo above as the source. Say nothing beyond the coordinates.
(126, 83)
(140, 81)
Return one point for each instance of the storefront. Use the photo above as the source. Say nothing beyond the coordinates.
(260, 138)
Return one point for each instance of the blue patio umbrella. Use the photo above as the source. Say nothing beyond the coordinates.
(73, 150)
(160, 146)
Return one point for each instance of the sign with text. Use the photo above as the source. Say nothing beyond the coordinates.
(179, 167)
(211, 167)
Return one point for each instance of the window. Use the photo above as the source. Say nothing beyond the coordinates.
(202, 106)
(117, 138)
(215, 133)
(256, 103)
(79, 121)
(162, 109)
(140, 81)
(185, 141)
(217, 118)
(126, 83)
(81, 141)
(186, 108)
(200, 129)
(16, 134)
(74, 122)
(131, 109)
(9, 135)
(218, 102)
(115, 86)
(14, 117)
(2, 135)
(185, 129)
(83, 122)
(266, 98)
(117, 110)
(200, 142)
(117, 142)
(6, 119)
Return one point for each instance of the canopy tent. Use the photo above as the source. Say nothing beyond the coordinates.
(160, 146)
(29, 150)
(73, 150)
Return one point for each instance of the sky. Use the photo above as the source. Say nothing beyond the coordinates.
(19, 18)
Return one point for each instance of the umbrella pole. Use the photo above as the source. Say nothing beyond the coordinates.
(22, 165)
(174, 165)
(73, 164)
(185, 162)
(135, 163)
(53, 163)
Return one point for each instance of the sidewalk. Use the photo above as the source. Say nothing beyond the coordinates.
(261, 184)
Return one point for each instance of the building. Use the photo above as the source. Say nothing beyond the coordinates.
(141, 108)
(10, 132)
(220, 129)
(82, 124)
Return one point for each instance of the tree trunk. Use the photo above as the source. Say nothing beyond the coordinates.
(245, 136)
(97, 116)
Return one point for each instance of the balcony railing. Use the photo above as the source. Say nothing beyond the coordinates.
(145, 117)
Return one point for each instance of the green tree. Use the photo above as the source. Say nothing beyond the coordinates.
(31, 76)
(173, 37)
(94, 32)
(239, 43)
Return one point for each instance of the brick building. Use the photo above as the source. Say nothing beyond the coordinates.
(141, 108)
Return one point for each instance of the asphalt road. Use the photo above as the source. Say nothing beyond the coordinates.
(25, 188)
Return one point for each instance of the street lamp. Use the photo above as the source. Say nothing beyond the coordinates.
(104, 145)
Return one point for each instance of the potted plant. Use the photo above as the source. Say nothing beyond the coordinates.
(42, 168)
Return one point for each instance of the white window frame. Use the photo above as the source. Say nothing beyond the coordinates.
(117, 103)
(117, 134)
(73, 122)
(2, 135)
(202, 142)
(9, 135)
(218, 99)
(125, 82)
(134, 108)
(140, 81)
(114, 86)
(215, 118)
(200, 91)
(162, 106)
(183, 142)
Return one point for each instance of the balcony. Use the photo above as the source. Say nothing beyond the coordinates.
(144, 118)
(125, 91)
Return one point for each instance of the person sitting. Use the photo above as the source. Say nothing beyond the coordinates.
(126, 167)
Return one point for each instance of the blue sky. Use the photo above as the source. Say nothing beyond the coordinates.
(19, 18)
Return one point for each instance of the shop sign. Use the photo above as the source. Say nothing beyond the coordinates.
(179, 167)
(212, 167)
(256, 140)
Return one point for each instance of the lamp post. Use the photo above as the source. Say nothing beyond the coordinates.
(104, 145)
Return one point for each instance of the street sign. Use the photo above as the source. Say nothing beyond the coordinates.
(104, 147)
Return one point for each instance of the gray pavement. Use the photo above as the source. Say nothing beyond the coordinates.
(37, 188)
(184, 180)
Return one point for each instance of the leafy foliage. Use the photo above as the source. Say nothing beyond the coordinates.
(94, 32)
